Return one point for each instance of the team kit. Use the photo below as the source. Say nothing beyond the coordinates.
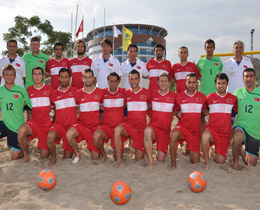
(85, 102)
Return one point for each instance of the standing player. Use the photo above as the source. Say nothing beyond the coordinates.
(157, 66)
(55, 64)
(34, 58)
(63, 99)
(159, 127)
(133, 63)
(247, 127)
(12, 100)
(113, 106)
(78, 64)
(89, 100)
(16, 61)
(105, 64)
(40, 123)
(218, 130)
(235, 66)
(209, 66)
(181, 70)
(190, 103)
(137, 99)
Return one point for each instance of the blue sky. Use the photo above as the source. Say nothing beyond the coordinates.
(188, 22)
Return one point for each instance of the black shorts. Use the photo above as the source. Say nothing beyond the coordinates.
(11, 136)
(252, 145)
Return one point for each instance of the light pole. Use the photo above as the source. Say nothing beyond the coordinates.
(252, 41)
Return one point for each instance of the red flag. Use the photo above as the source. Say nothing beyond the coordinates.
(80, 29)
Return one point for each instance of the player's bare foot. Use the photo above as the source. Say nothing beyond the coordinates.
(173, 166)
(149, 166)
(117, 164)
(76, 160)
(25, 159)
(235, 166)
(52, 162)
(206, 167)
(101, 161)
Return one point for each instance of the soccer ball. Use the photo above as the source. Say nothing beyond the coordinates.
(120, 192)
(197, 182)
(46, 179)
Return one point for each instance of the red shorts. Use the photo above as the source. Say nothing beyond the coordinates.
(137, 136)
(192, 140)
(41, 132)
(62, 134)
(87, 135)
(163, 139)
(109, 132)
(221, 142)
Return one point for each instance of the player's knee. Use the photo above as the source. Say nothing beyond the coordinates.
(50, 137)
(238, 136)
(71, 133)
(97, 135)
(118, 130)
(22, 131)
(206, 135)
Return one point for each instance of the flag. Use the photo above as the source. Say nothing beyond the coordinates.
(116, 32)
(80, 29)
(127, 37)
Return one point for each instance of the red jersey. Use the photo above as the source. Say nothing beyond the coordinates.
(191, 107)
(41, 104)
(179, 72)
(113, 104)
(155, 68)
(89, 103)
(137, 105)
(53, 67)
(162, 108)
(65, 106)
(220, 108)
(77, 66)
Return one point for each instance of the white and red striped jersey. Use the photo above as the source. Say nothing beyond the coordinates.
(179, 72)
(155, 68)
(53, 67)
(77, 66)
(162, 109)
(65, 106)
(220, 108)
(89, 104)
(137, 105)
(41, 104)
(191, 107)
(113, 105)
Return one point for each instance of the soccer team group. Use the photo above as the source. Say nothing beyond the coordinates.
(85, 102)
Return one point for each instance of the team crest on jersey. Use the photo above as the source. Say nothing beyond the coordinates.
(97, 97)
(119, 95)
(164, 66)
(229, 100)
(71, 93)
(169, 99)
(138, 67)
(15, 96)
(143, 97)
(17, 64)
(40, 61)
(111, 64)
(64, 63)
(188, 68)
(199, 100)
(46, 92)
(216, 64)
(245, 66)
(257, 99)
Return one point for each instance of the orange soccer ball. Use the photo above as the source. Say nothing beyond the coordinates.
(120, 193)
(46, 179)
(197, 182)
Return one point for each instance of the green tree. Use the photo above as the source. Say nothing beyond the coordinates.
(25, 28)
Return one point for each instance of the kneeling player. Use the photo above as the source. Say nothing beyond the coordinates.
(190, 102)
(218, 129)
(159, 127)
(40, 123)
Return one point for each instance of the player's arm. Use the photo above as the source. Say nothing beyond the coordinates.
(205, 112)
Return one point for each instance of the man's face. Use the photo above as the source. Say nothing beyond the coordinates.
(106, 49)
(64, 79)
(134, 80)
(37, 76)
(238, 50)
(183, 54)
(191, 83)
(163, 83)
(9, 77)
(158, 52)
(132, 53)
(80, 48)
(209, 48)
(113, 83)
(249, 79)
(35, 46)
(58, 51)
(221, 85)
(88, 79)
(11, 48)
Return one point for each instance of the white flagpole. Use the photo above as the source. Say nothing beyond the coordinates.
(76, 23)
(113, 37)
(83, 26)
(122, 42)
(71, 34)
(104, 21)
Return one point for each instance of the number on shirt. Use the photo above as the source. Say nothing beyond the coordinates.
(248, 109)
(9, 106)
(210, 71)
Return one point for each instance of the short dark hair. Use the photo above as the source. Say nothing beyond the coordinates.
(135, 72)
(159, 46)
(83, 42)
(11, 40)
(64, 70)
(249, 70)
(132, 46)
(35, 39)
(113, 74)
(209, 41)
(9, 67)
(58, 44)
(87, 71)
(184, 47)
(39, 68)
(106, 41)
(221, 76)
(191, 75)
(164, 74)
